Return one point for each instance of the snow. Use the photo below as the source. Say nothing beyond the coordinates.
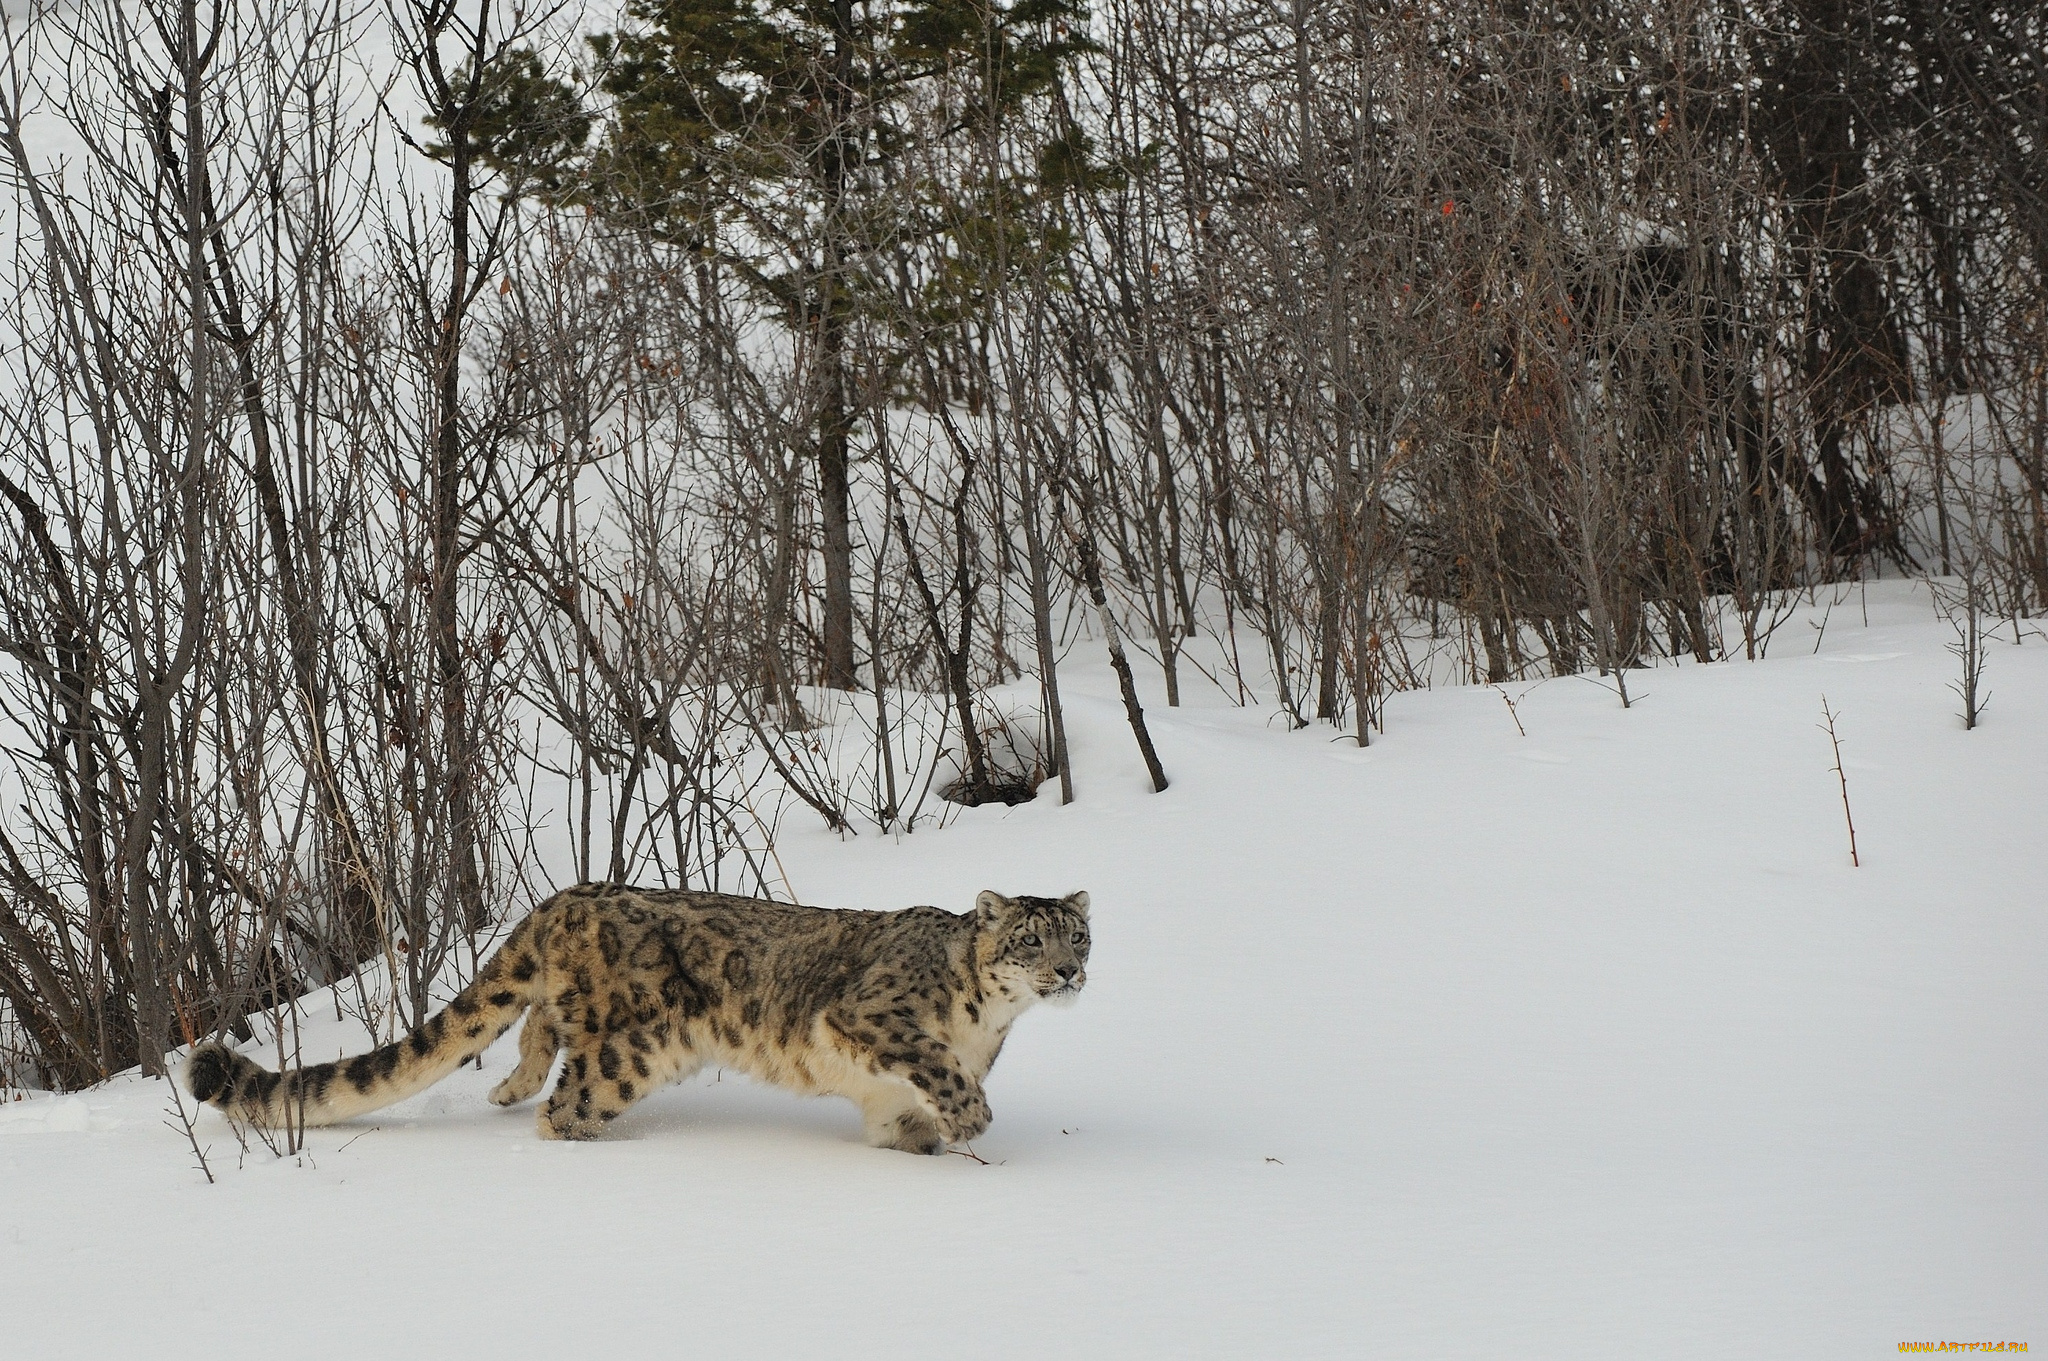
(1589, 1043)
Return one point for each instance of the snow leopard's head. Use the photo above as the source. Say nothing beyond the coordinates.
(1035, 947)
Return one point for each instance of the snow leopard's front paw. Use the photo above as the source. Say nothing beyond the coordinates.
(913, 1133)
(963, 1118)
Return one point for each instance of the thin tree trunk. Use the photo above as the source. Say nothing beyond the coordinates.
(835, 421)
(1091, 574)
(1041, 625)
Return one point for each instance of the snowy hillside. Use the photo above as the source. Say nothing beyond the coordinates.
(1584, 1043)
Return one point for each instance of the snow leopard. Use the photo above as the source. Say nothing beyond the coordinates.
(902, 1012)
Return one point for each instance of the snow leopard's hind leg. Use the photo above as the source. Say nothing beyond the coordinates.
(607, 1069)
(538, 1043)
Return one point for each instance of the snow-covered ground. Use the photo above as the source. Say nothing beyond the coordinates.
(1585, 1043)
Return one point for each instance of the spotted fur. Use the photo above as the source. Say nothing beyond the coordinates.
(902, 1012)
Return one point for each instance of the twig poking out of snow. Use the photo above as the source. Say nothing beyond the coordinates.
(1966, 616)
(1820, 630)
(1836, 743)
(1504, 698)
(371, 1130)
(184, 1124)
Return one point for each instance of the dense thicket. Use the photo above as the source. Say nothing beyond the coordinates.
(442, 448)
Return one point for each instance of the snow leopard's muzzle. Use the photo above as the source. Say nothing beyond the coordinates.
(1063, 985)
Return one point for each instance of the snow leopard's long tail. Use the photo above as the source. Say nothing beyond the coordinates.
(327, 1093)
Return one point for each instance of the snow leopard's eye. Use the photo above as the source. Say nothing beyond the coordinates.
(1080, 938)
(1030, 940)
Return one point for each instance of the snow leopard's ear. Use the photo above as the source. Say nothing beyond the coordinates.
(1078, 901)
(988, 905)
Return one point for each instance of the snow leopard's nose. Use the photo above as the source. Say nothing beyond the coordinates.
(1066, 971)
